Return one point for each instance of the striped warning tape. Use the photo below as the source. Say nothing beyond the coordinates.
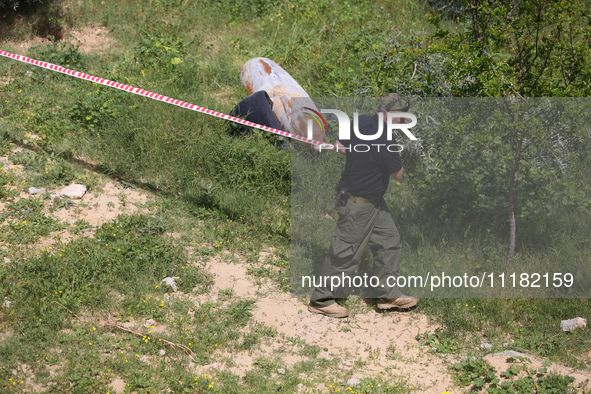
(159, 97)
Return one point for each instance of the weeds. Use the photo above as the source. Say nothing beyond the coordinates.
(26, 222)
(518, 378)
(7, 181)
(439, 342)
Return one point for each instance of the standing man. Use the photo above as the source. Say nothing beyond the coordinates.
(364, 218)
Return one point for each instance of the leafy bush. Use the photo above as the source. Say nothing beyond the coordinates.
(16, 4)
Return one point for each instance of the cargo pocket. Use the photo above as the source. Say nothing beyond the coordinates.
(355, 221)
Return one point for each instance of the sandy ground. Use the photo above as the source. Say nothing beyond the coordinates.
(91, 39)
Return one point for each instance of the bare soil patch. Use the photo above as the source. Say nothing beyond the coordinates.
(91, 39)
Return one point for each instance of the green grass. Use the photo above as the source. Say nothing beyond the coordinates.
(25, 222)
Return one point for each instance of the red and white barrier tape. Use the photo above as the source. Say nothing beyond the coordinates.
(159, 97)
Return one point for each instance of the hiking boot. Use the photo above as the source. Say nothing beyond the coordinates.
(402, 302)
(333, 310)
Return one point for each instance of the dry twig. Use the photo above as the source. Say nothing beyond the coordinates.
(188, 351)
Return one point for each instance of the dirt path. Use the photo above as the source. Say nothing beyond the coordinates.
(367, 344)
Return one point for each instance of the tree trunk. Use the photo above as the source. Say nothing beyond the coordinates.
(512, 186)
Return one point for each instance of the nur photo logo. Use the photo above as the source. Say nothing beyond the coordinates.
(392, 123)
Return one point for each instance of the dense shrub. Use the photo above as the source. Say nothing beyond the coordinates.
(16, 4)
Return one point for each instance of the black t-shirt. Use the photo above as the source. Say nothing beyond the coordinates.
(369, 163)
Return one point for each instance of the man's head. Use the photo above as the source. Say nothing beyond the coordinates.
(393, 102)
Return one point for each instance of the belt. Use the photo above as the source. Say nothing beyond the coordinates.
(361, 200)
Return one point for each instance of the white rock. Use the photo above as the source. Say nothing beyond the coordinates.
(162, 352)
(144, 358)
(506, 353)
(74, 191)
(170, 281)
(281, 371)
(486, 346)
(353, 382)
(149, 322)
(215, 365)
(34, 190)
(6, 303)
(572, 324)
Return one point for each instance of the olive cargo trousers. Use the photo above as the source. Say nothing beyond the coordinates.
(361, 225)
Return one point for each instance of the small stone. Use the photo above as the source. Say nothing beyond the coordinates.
(34, 190)
(510, 353)
(215, 365)
(162, 352)
(144, 359)
(6, 303)
(572, 324)
(348, 363)
(74, 191)
(300, 386)
(170, 282)
(353, 382)
(281, 371)
(149, 322)
(486, 346)
(29, 73)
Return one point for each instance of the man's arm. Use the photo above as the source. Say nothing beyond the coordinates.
(398, 175)
(340, 148)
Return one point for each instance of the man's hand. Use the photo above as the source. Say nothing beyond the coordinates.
(340, 148)
(398, 175)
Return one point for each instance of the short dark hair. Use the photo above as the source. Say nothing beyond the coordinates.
(393, 102)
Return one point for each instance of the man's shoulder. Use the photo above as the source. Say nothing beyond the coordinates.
(368, 118)
(366, 122)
